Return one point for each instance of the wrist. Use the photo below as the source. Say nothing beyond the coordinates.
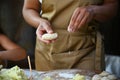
(97, 9)
(92, 11)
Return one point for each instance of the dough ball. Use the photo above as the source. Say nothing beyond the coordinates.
(96, 77)
(112, 77)
(49, 36)
(104, 73)
(105, 78)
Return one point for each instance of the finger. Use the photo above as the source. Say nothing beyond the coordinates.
(40, 31)
(73, 19)
(53, 40)
(78, 20)
(39, 36)
(48, 28)
(84, 20)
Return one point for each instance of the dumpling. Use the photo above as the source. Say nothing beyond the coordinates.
(49, 36)
(105, 78)
(112, 77)
(104, 73)
(96, 77)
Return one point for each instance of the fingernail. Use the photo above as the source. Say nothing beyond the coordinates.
(69, 29)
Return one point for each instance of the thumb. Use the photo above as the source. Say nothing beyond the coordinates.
(48, 29)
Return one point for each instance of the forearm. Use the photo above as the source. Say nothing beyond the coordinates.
(31, 12)
(13, 55)
(105, 11)
(32, 17)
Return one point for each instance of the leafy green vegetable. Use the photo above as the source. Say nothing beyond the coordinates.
(14, 73)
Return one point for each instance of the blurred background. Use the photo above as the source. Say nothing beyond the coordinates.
(14, 26)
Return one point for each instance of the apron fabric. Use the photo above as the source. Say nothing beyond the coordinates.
(78, 50)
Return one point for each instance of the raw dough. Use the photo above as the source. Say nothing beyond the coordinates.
(49, 36)
(96, 77)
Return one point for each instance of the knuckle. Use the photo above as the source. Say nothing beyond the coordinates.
(76, 24)
(78, 21)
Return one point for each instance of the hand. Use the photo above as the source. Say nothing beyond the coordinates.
(44, 27)
(80, 17)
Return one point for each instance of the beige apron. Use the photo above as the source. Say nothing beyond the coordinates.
(81, 49)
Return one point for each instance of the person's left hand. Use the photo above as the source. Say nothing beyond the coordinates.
(80, 17)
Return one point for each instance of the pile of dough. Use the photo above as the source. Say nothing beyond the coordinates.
(49, 36)
(104, 76)
(79, 77)
(47, 78)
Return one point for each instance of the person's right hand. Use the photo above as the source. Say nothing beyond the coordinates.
(44, 27)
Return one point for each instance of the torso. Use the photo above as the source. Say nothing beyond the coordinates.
(69, 48)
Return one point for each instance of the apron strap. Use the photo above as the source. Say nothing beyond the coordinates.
(99, 57)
